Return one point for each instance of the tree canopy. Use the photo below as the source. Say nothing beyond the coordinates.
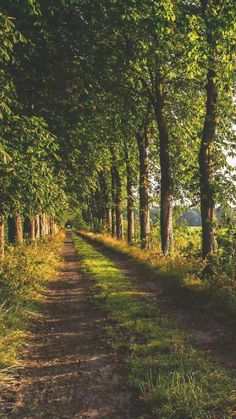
(114, 108)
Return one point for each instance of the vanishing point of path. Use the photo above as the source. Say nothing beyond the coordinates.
(68, 369)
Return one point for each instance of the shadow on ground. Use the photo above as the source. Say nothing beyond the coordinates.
(69, 371)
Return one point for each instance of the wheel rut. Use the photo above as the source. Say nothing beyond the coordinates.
(68, 369)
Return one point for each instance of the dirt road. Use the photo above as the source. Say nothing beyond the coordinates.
(69, 371)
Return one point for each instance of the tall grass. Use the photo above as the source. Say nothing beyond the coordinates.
(23, 274)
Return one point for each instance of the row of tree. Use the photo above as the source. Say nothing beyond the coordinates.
(31, 185)
(30, 229)
(112, 101)
(160, 72)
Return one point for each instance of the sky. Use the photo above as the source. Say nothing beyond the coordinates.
(232, 161)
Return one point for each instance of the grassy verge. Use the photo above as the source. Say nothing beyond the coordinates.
(175, 380)
(176, 273)
(23, 274)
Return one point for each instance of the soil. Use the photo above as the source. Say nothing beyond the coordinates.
(68, 369)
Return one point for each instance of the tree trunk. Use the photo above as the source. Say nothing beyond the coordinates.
(37, 227)
(46, 232)
(113, 211)
(2, 235)
(32, 230)
(205, 168)
(104, 198)
(15, 230)
(166, 179)
(119, 219)
(51, 226)
(209, 244)
(26, 227)
(130, 198)
(19, 229)
(113, 232)
(29, 228)
(109, 220)
(41, 226)
(142, 141)
(117, 196)
(130, 217)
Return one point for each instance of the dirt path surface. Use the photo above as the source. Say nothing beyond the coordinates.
(206, 334)
(69, 372)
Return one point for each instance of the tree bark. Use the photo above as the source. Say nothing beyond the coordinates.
(46, 225)
(32, 230)
(119, 218)
(166, 178)
(109, 220)
(15, 230)
(51, 226)
(37, 227)
(41, 226)
(205, 153)
(26, 227)
(104, 195)
(113, 210)
(130, 198)
(142, 141)
(2, 235)
(117, 196)
(205, 169)
(19, 229)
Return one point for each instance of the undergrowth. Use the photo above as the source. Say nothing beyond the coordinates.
(175, 380)
(23, 274)
(214, 295)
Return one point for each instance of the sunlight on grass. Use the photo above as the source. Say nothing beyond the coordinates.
(23, 274)
(173, 378)
(179, 274)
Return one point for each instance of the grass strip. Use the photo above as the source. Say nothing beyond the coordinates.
(175, 274)
(175, 380)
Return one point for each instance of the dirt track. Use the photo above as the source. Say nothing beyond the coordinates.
(69, 371)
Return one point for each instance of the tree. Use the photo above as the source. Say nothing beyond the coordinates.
(213, 26)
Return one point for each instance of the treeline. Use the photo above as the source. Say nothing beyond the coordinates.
(31, 186)
(109, 105)
(161, 106)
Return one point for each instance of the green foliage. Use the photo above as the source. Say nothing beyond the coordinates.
(30, 182)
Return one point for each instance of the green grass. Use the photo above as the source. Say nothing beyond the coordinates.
(175, 380)
(180, 275)
(24, 272)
